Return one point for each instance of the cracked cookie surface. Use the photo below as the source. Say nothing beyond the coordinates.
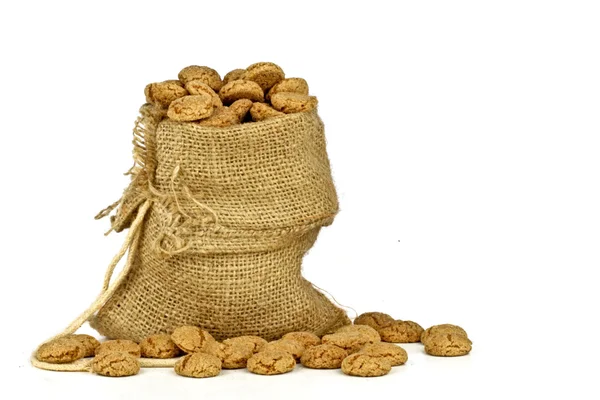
(307, 339)
(60, 351)
(375, 320)
(192, 339)
(262, 111)
(448, 345)
(162, 94)
(401, 332)
(202, 73)
(236, 354)
(241, 89)
(89, 343)
(159, 346)
(349, 341)
(241, 107)
(358, 364)
(271, 362)
(234, 75)
(323, 356)
(198, 365)
(371, 333)
(266, 74)
(115, 364)
(290, 85)
(199, 87)
(293, 102)
(119, 345)
(221, 118)
(256, 341)
(442, 328)
(292, 347)
(396, 355)
(191, 108)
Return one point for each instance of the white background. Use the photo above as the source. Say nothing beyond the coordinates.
(464, 142)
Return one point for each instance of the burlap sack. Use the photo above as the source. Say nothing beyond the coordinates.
(228, 215)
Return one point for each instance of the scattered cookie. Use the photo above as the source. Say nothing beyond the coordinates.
(291, 346)
(293, 102)
(262, 111)
(363, 329)
(448, 345)
(119, 345)
(221, 118)
(89, 343)
(443, 328)
(375, 320)
(349, 341)
(202, 73)
(164, 93)
(159, 346)
(359, 364)
(266, 74)
(236, 354)
(192, 339)
(241, 89)
(256, 341)
(115, 364)
(191, 108)
(198, 365)
(323, 356)
(396, 355)
(401, 332)
(199, 87)
(241, 108)
(60, 351)
(271, 362)
(234, 75)
(290, 85)
(307, 339)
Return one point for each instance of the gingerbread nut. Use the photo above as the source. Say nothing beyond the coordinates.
(241, 107)
(290, 85)
(192, 339)
(291, 346)
(221, 118)
(115, 364)
(234, 75)
(323, 356)
(359, 364)
(375, 320)
(159, 346)
(401, 332)
(271, 362)
(202, 73)
(396, 355)
(256, 341)
(448, 345)
(89, 343)
(191, 108)
(293, 102)
(349, 341)
(241, 89)
(60, 351)
(198, 365)
(262, 111)
(119, 345)
(307, 339)
(442, 328)
(371, 333)
(199, 87)
(162, 94)
(266, 74)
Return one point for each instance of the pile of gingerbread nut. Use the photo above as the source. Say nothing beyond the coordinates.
(365, 348)
(257, 93)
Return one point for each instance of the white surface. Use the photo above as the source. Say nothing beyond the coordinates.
(464, 140)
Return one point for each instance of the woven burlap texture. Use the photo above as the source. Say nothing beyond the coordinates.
(232, 213)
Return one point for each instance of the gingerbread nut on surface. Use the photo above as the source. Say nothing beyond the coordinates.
(89, 343)
(119, 345)
(198, 365)
(291, 346)
(271, 362)
(323, 356)
(159, 346)
(448, 345)
(401, 332)
(60, 351)
(358, 364)
(256, 341)
(192, 339)
(443, 328)
(371, 333)
(293, 102)
(115, 364)
(396, 355)
(307, 339)
(236, 354)
(191, 108)
(266, 74)
(349, 341)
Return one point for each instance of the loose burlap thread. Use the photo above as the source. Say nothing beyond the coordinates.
(219, 221)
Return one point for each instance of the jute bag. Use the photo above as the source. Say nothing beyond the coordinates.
(219, 220)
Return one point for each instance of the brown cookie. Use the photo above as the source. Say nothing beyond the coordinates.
(401, 332)
(119, 345)
(241, 89)
(162, 94)
(363, 329)
(291, 346)
(60, 351)
(191, 108)
(221, 118)
(202, 73)
(349, 341)
(199, 87)
(89, 343)
(266, 74)
(192, 339)
(175, 81)
(396, 355)
(257, 342)
(290, 85)
(307, 339)
(115, 364)
(443, 328)
(359, 364)
(234, 75)
(448, 345)
(272, 362)
(375, 320)
(198, 365)
(236, 354)
(262, 111)
(293, 102)
(323, 356)
(241, 108)
(159, 346)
